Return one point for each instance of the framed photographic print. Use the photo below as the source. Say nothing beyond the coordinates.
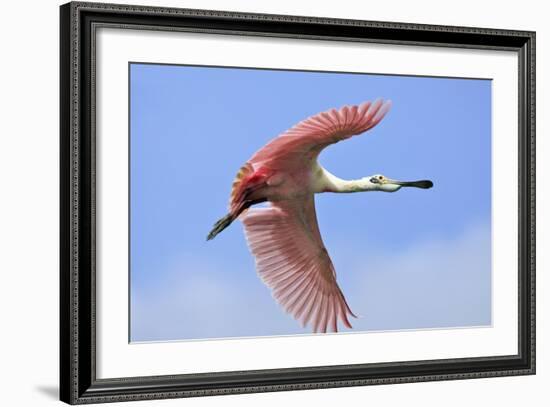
(255, 203)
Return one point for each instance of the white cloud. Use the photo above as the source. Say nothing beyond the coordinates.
(201, 299)
(438, 283)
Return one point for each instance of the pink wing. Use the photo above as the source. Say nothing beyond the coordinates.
(303, 142)
(292, 260)
(297, 148)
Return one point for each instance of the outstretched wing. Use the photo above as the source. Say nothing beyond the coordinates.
(291, 259)
(303, 142)
(298, 147)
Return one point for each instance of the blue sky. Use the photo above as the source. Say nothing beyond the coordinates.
(413, 259)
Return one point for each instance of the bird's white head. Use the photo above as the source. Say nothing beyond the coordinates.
(379, 182)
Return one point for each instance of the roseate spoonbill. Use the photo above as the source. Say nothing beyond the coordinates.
(284, 237)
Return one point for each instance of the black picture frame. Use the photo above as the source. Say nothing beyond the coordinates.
(78, 382)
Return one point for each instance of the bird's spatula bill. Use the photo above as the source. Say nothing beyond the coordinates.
(424, 184)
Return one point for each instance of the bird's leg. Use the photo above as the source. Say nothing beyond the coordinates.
(224, 222)
(242, 201)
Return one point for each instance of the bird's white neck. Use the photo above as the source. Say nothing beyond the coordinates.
(327, 182)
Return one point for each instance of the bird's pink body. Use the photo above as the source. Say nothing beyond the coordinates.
(284, 237)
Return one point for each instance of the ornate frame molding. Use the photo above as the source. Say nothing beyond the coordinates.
(79, 384)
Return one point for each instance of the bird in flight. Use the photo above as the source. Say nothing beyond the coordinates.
(284, 237)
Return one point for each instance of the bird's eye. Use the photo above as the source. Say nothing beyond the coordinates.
(380, 177)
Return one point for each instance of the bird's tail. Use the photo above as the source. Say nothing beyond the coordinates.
(220, 225)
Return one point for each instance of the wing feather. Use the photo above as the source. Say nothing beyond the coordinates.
(306, 139)
(292, 261)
